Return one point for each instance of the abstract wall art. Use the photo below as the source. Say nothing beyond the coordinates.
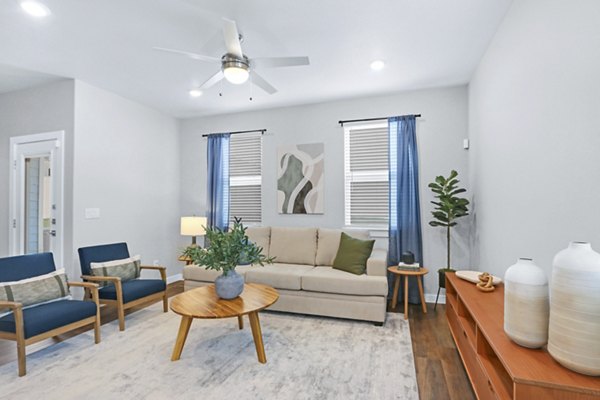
(300, 179)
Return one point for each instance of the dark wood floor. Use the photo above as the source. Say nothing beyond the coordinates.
(440, 373)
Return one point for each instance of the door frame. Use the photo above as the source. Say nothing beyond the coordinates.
(16, 197)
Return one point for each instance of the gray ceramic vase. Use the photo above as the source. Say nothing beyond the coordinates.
(230, 285)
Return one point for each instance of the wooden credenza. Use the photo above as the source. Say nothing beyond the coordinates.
(497, 367)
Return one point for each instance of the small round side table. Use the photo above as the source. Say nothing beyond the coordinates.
(406, 274)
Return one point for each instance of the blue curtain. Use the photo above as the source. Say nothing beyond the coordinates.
(217, 212)
(405, 213)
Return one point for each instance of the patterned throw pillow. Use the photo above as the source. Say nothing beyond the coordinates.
(35, 291)
(126, 269)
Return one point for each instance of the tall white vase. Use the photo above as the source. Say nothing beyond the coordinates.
(526, 304)
(574, 332)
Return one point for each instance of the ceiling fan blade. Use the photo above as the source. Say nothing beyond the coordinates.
(274, 62)
(232, 38)
(261, 83)
(212, 80)
(194, 56)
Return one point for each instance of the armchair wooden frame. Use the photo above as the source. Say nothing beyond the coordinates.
(121, 307)
(19, 334)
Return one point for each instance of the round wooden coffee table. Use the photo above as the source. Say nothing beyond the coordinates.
(204, 303)
(405, 273)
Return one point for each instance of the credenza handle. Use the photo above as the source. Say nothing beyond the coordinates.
(490, 385)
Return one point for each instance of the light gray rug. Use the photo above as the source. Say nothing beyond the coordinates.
(307, 358)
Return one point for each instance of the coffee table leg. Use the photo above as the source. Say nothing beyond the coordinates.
(240, 322)
(184, 328)
(422, 295)
(395, 296)
(257, 334)
(405, 296)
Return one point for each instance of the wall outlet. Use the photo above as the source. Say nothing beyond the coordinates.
(156, 263)
(92, 213)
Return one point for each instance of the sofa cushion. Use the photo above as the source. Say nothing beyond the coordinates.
(134, 289)
(126, 269)
(353, 254)
(261, 236)
(328, 242)
(196, 273)
(294, 245)
(45, 317)
(36, 290)
(330, 280)
(279, 276)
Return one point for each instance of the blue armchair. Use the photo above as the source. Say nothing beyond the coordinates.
(33, 324)
(126, 294)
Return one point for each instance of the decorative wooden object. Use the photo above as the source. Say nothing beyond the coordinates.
(401, 272)
(497, 367)
(204, 303)
(485, 283)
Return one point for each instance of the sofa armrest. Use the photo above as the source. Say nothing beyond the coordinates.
(377, 263)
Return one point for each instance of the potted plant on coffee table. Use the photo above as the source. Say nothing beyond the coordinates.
(226, 250)
(448, 208)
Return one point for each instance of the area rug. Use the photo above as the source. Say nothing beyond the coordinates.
(307, 358)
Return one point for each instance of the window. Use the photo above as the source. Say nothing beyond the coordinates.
(366, 171)
(245, 180)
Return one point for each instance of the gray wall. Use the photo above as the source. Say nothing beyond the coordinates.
(127, 165)
(533, 124)
(41, 109)
(440, 133)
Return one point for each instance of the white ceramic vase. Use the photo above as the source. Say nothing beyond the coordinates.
(574, 331)
(526, 304)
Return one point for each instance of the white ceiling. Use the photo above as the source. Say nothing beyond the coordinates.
(108, 43)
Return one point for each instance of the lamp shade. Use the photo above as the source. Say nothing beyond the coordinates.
(193, 226)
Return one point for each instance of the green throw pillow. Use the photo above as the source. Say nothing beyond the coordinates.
(352, 254)
(37, 290)
(126, 269)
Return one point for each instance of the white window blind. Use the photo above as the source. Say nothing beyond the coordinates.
(245, 178)
(366, 170)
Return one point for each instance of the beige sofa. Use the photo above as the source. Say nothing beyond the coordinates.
(303, 275)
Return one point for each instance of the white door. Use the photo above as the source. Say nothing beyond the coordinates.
(36, 194)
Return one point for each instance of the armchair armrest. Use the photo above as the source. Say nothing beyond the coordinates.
(10, 304)
(377, 263)
(160, 268)
(89, 287)
(93, 278)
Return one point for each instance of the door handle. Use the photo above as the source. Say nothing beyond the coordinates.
(52, 233)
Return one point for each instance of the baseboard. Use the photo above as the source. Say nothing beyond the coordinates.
(174, 278)
(430, 298)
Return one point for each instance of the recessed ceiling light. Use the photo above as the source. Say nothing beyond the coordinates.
(195, 92)
(377, 65)
(35, 8)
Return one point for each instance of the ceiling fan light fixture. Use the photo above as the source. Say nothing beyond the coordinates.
(35, 8)
(235, 69)
(236, 75)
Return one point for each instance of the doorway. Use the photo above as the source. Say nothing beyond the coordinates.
(36, 194)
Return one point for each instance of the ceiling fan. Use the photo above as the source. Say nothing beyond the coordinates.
(237, 67)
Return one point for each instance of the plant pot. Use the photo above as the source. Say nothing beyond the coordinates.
(575, 309)
(442, 276)
(229, 285)
(526, 304)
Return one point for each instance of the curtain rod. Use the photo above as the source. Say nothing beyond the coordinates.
(368, 119)
(262, 131)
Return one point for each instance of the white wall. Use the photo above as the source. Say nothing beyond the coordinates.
(127, 165)
(535, 134)
(36, 110)
(440, 133)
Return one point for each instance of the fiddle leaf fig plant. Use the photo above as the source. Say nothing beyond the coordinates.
(448, 207)
(227, 250)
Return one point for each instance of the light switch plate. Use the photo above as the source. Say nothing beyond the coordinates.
(92, 213)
